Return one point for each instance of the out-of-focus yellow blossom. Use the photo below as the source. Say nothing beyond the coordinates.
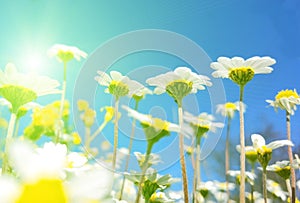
(66, 107)
(110, 112)
(76, 138)
(45, 117)
(88, 117)
(82, 105)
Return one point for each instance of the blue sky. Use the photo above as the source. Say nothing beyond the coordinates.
(221, 28)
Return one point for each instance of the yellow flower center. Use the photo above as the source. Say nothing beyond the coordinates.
(88, 117)
(230, 105)
(251, 156)
(241, 75)
(264, 150)
(286, 94)
(274, 184)
(46, 191)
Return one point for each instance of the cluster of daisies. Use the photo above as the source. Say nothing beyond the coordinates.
(50, 162)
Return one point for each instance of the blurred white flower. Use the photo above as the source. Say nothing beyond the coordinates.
(20, 89)
(203, 120)
(250, 177)
(148, 120)
(160, 197)
(42, 179)
(118, 85)
(229, 108)
(286, 100)
(182, 75)
(66, 53)
(153, 158)
(275, 188)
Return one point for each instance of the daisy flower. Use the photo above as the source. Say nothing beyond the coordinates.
(240, 70)
(250, 177)
(156, 124)
(264, 154)
(118, 85)
(286, 100)
(19, 88)
(65, 53)
(228, 109)
(178, 84)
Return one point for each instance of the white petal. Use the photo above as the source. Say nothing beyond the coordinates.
(263, 70)
(9, 189)
(279, 143)
(237, 61)
(220, 74)
(258, 141)
(103, 78)
(115, 75)
(226, 62)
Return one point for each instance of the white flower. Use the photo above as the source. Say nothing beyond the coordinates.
(65, 53)
(229, 108)
(286, 100)
(153, 158)
(180, 74)
(156, 123)
(203, 120)
(259, 65)
(142, 92)
(119, 85)
(259, 143)
(275, 188)
(20, 89)
(32, 164)
(250, 177)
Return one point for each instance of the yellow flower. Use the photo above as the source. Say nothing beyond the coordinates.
(76, 138)
(82, 105)
(45, 117)
(88, 117)
(110, 112)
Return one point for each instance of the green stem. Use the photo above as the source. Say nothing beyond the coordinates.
(290, 153)
(62, 101)
(16, 127)
(116, 134)
(144, 169)
(10, 132)
(87, 143)
(197, 173)
(264, 177)
(129, 149)
(227, 157)
(252, 185)
(182, 161)
(99, 130)
(288, 186)
(242, 143)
